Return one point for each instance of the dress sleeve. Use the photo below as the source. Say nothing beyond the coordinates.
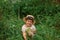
(23, 28)
(34, 28)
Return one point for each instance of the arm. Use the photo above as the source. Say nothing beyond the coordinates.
(34, 29)
(24, 35)
(24, 32)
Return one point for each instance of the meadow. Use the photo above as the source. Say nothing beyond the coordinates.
(46, 13)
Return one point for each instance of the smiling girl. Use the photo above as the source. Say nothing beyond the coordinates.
(28, 29)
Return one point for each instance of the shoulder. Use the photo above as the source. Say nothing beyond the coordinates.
(33, 25)
(23, 26)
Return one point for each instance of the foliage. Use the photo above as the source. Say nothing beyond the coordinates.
(46, 13)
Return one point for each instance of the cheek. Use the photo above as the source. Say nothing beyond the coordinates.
(27, 23)
(30, 23)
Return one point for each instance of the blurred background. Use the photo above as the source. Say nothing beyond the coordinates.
(46, 13)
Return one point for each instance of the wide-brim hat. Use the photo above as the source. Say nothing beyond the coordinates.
(29, 17)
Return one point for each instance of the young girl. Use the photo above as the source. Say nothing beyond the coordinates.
(28, 28)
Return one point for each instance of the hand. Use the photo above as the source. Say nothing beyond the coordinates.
(25, 39)
(30, 33)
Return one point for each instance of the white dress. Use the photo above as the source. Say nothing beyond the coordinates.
(28, 29)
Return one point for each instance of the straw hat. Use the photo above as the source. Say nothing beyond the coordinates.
(30, 17)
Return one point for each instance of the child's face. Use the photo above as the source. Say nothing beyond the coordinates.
(29, 23)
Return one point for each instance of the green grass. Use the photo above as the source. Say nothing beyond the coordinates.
(46, 13)
(11, 30)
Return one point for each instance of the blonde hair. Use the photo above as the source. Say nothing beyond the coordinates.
(29, 17)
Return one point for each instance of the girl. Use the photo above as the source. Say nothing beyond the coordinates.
(28, 28)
